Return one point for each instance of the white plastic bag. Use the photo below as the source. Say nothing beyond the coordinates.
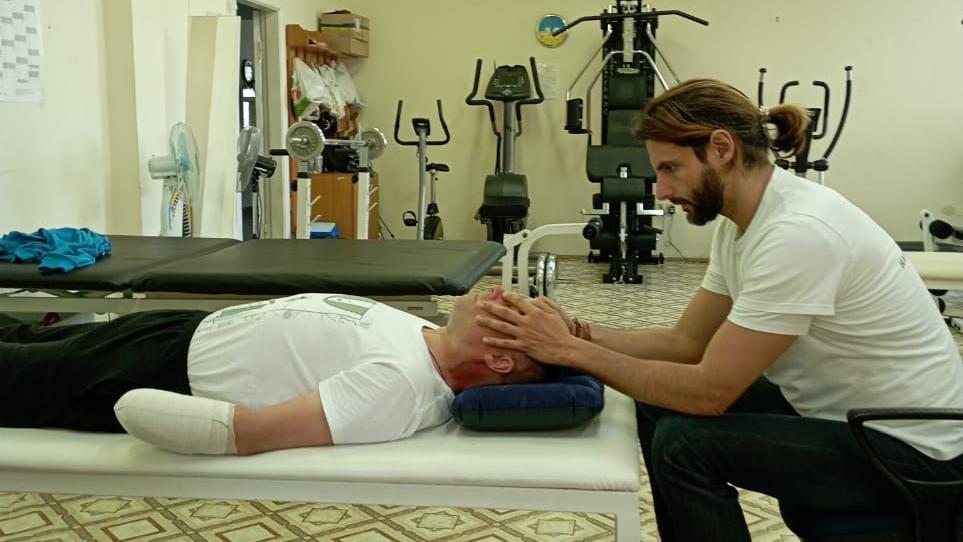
(333, 100)
(349, 92)
(309, 89)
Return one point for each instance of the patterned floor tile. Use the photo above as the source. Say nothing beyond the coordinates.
(11, 502)
(325, 519)
(200, 515)
(370, 533)
(259, 529)
(31, 523)
(438, 523)
(563, 528)
(147, 527)
(96, 509)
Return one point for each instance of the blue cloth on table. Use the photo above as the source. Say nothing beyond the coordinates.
(57, 249)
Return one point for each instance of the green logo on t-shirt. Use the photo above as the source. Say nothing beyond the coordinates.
(350, 303)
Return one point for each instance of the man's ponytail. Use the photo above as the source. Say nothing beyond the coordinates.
(791, 122)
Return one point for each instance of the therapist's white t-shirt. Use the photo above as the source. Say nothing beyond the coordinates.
(814, 265)
(369, 361)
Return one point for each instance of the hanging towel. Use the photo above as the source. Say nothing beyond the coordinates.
(58, 249)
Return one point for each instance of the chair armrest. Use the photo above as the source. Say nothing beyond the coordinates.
(858, 417)
(936, 504)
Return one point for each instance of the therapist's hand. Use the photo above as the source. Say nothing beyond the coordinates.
(558, 310)
(534, 326)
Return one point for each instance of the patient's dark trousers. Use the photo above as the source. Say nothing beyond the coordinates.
(762, 444)
(70, 376)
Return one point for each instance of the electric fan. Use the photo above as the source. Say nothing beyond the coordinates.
(181, 173)
(251, 168)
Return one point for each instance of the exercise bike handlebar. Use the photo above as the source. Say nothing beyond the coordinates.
(441, 117)
(471, 100)
(444, 127)
(651, 15)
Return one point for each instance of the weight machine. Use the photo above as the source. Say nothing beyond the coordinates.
(621, 231)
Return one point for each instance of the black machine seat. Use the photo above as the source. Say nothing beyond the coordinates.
(506, 196)
(437, 167)
(603, 161)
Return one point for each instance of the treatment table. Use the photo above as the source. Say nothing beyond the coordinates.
(939, 270)
(592, 468)
(145, 273)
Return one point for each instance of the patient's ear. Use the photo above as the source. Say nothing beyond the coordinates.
(499, 363)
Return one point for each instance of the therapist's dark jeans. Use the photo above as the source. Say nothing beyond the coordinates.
(762, 444)
(70, 376)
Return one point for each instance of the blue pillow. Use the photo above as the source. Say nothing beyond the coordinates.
(569, 401)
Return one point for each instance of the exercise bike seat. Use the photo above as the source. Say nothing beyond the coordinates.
(437, 167)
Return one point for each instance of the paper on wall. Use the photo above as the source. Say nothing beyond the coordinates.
(548, 79)
(21, 51)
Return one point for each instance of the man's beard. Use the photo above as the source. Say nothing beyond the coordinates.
(706, 200)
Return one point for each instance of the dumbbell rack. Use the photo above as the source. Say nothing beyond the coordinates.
(518, 246)
(305, 142)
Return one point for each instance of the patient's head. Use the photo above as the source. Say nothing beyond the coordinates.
(471, 363)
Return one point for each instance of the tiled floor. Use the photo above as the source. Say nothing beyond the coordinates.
(660, 301)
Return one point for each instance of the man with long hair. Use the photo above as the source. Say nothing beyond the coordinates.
(808, 309)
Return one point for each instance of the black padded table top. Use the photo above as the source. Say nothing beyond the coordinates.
(131, 256)
(367, 268)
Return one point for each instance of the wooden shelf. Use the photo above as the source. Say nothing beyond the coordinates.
(337, 191)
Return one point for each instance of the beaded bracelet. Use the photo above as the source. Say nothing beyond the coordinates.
(582, 330)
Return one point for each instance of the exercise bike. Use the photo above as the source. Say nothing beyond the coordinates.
(427, 219)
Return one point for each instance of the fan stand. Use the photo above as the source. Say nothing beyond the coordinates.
(165, 169)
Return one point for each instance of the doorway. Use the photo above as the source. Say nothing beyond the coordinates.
(255, 206)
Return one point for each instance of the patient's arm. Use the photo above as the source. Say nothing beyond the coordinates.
(296, 423)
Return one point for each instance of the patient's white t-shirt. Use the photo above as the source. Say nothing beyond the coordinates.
(369, 361)
(814, 265)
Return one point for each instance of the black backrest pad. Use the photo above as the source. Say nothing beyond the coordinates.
(604, 161)
(620, 126)
(627, 91)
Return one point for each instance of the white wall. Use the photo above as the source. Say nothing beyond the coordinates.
(305, 12)
(898, 152)
(54, 156)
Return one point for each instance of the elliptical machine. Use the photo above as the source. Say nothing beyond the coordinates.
(801, 165)
(504, 209)
(427, 218)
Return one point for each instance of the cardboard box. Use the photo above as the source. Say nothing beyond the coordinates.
(346, 32)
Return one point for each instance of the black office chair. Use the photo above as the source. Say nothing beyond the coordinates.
(935, 512)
